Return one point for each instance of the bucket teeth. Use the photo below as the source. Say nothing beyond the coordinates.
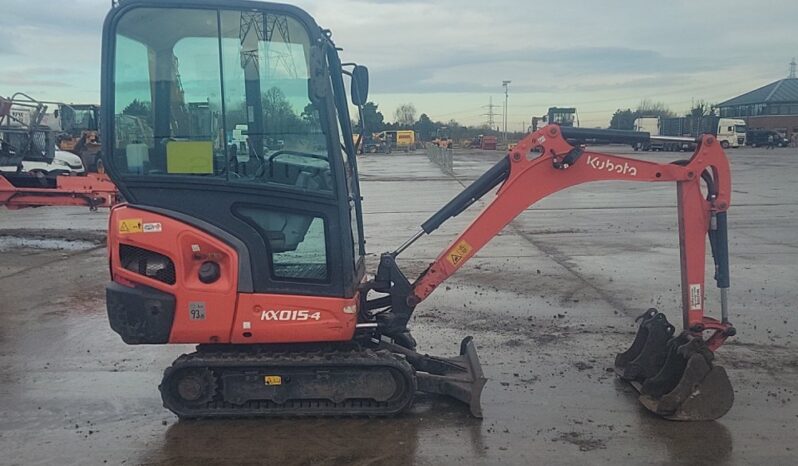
(675, 376)
(648, 351)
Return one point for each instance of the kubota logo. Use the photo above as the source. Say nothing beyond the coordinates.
(603, 164)
(289, 314)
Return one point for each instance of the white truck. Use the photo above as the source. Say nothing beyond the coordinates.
(729, 131)
(649, 125)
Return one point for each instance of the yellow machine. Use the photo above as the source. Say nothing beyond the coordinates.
(403, 139)
(80, 133)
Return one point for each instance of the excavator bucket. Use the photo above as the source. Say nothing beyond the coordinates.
(675, 376)
(460, 377)
(648, 351)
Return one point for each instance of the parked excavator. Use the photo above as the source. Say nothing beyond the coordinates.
(258, 257)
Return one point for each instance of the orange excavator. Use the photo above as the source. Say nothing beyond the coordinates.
(258, 257)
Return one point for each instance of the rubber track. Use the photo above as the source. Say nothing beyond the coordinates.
(232, 361)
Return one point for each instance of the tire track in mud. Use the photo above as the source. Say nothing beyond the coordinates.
(564, 261)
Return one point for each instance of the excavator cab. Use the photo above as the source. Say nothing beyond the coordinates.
(194, 75)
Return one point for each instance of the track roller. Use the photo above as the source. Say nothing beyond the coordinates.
(309, 380)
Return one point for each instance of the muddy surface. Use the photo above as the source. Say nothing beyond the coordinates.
(549, 302)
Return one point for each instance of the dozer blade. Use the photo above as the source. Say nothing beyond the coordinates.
(675, 377)
(460, 377)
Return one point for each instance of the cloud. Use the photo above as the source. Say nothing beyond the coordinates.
(453, 54)
(25, 82)
(7, 42)
(537, 70)
(71, 17)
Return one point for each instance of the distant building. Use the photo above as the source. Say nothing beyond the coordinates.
(774, 107)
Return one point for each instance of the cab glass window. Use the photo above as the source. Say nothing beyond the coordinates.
(221, 94)
(296, 242)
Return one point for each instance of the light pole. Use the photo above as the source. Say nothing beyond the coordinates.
(506, 85)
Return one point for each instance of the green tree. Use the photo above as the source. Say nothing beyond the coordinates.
(425, 127)
(138, 108)
(623, 119)
(278, 114)
(373, 120)
(311, 116)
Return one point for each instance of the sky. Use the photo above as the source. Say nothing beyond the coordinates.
(449, 57)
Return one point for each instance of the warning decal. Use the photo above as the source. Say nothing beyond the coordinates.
(272, 380)
(152, 227)
(459, 253)
(130, 225)
(695, 297)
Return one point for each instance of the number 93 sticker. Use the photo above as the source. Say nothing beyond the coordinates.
(196, 311)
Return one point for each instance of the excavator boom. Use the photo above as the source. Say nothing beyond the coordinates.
(543, 163)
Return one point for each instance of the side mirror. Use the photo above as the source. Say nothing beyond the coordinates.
(360, 85)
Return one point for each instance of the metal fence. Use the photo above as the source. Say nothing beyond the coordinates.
(442, 158)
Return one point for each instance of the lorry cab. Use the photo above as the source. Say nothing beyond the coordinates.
(649, 125)
(731, 132)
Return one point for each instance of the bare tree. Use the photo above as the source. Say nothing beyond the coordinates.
(648, 107)
(702, 108)
(405, 115)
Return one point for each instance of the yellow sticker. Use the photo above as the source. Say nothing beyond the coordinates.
(130, 225)
(273, 380)
(459, 253)
(189, 157)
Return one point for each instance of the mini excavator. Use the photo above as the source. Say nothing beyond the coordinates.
(242, 229)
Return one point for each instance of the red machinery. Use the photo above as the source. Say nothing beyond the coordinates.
(27, 139)
(19, 190)
(675, 375)
(257, 255)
